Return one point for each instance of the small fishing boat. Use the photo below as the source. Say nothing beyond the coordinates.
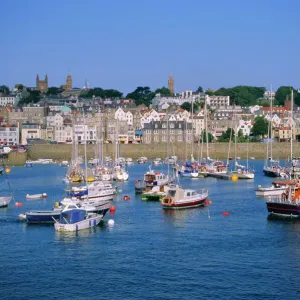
(151, 179)
(156, 193)
(64, 163)
(252, 157)
(142, 160)
(76, 219)
(36, 196)
(129, 161)
(4, 201)
(178, 198)
(157, 161)
(277, 188)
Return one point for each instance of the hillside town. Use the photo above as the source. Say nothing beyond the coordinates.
(175, 117)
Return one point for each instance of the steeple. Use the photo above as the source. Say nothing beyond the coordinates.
(46, 78)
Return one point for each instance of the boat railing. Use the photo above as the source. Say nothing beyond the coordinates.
(280, 199)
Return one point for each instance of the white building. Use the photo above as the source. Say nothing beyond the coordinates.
(9, 135)
(7, 100)
(30, 131)
(245, 126)
(85, 131)
(121, 115)
(64, 133)
(218, 101)
(54, 120)
(269, 94)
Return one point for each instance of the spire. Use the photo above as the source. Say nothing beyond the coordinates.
(46, 78)
(37, 77)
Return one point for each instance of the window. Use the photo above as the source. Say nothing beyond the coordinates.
(172, 125)
(164, 138)
(179, 125)
(164, 125)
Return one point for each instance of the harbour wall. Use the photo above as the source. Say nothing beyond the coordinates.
(216, 150)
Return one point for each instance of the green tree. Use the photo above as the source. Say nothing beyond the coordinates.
(4, 89)
(54, 90)
(260, 127)
(225, 137)
(242, 95)
(199, 89)
(141, 95)
(163, 92)
(33, 97)
(240, 133)
(209, 135)
(282, 93)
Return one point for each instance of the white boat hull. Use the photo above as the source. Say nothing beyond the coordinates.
(265, 192)
(85, 224)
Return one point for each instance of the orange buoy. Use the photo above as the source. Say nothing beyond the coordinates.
(18, 204)
(225, 213)
(126, 198)
(112, 209)
(207, 202)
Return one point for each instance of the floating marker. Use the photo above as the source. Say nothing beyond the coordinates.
(111, 222)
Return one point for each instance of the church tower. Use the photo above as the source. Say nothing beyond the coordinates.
(171, 84)
(68, 85)
(42, 85)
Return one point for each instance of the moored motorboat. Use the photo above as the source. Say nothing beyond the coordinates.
(178, 198)
(277, 188)
(156, 193)
(77, 219)
(287, 204)
(4, 201)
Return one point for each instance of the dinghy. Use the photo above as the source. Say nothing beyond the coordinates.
(36, 196)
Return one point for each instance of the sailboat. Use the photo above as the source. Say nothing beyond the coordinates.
(272, 167)
(5, 197)
(242, 172)
(120, 174)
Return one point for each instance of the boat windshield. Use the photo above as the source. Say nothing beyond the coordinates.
(149, 177)
(172, 193)
(72, 216)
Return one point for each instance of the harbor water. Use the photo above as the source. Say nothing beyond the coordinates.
(150, 253)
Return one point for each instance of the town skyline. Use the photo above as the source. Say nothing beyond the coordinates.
(123, 45)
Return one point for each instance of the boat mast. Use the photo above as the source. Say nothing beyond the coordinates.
(235, 140)
(192, 129)
(292, 108)
(85, 156)
(205, 116)
(186, 139)
(271, 143)
(117, 138)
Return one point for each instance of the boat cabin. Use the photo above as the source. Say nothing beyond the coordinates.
(72, 216)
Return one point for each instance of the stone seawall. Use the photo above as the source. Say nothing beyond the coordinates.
(216, 150)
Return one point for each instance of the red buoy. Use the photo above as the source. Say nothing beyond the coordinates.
(207, 202)
(225, 213)
(112, 209)
(18, 204)
(126, 198)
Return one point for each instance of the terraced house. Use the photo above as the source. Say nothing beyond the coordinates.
(169, 129)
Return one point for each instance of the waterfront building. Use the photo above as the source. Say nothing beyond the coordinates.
(30, 131)
(85, 133)
(245, 127)
(7, 100)
(9, 135)
(42, 85)
(198, 124)
(269, 95)
(171, 128)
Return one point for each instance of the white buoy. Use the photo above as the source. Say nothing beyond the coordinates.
(111, 222)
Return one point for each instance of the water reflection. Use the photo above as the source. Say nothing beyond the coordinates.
(178, 217)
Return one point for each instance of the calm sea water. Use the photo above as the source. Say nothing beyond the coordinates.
(150, 253)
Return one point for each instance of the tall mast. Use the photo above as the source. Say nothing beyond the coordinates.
(271, 136)
(206, 132)
(292, 108)
(192, 128)
(85, 156)
(235, 137)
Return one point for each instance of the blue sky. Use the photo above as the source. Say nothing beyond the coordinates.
(126, 43)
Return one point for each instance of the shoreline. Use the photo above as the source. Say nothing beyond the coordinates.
(151, 151)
